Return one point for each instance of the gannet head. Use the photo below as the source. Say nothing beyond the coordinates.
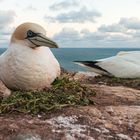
(32, 35)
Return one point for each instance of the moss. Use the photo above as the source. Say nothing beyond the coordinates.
(63, 93)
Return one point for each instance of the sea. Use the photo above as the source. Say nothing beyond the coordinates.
(66, 56)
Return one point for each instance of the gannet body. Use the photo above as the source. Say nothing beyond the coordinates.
(123, 65)
(28, 63)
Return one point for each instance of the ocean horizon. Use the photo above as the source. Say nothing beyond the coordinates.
(66, 56)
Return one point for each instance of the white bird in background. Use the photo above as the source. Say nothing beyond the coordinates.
(28, 63)
(123, 65)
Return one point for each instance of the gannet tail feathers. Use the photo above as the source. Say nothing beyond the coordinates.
(93, 65)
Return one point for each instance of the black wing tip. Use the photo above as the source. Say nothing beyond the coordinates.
(86, 62)
(92, 64)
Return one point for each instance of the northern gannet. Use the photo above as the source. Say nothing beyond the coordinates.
(28, 63)
(123, 65)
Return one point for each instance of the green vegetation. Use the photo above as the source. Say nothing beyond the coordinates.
(63, 93)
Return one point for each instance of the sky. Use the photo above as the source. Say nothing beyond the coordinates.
(76, 23)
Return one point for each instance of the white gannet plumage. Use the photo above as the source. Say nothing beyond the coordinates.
(28, 63)
(123, 65)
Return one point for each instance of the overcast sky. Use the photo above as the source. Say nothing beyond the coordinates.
(76, 23)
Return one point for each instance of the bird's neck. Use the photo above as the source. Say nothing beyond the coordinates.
(22, 50)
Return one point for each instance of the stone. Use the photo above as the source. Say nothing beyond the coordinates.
(26, 137)
(111, 126)
(137, 127)
(84, 75)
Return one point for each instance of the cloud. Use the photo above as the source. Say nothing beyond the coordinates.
(130, 23)
(64, 5)
(81, 16)
(123, 26)
(112, 28)
(31, 8)
(135, 34)
(6, 18)
(68, 37)
(90, 36)
(124, 33)
(71, 38)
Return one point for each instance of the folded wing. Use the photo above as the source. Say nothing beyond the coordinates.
(124, 65)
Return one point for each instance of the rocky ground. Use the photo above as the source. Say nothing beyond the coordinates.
(115, 116)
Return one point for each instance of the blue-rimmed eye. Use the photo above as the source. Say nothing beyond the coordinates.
(30, 33)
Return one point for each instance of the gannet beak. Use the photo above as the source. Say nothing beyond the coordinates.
(42, 40)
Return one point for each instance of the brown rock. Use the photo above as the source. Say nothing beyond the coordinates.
(111, 95)
(137, 127)
(111, 126)
(81, 76)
